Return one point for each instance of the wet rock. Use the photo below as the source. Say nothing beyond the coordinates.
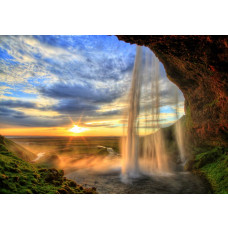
(62, 191)
(80, 187)
(189, 165)
(53, 176)
(72, 184)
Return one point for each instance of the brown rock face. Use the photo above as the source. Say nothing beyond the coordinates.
(198, 65)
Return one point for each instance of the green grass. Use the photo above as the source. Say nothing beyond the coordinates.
(18, 150)
(22, 177)
(213, 165)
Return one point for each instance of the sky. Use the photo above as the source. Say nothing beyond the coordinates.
(48, 84)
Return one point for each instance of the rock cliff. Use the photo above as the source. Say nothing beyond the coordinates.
(198, 65)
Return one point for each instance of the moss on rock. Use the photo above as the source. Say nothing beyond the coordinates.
(212, 163)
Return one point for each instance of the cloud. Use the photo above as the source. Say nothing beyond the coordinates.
(65, 57)
(82, 92)
(76, 107)
(13, 117)
(111, 113)
(77, 74)
(17, 104)
(6, 111)
(106, 123)
(73, 106)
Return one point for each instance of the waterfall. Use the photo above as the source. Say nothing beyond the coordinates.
(130, 145)
(144, 155)
(179, 132)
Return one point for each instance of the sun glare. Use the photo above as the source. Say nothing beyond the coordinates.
(77, 129)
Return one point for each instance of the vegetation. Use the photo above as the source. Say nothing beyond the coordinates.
(188, 121)
(20, 176)
(213, 165)
(17, 150)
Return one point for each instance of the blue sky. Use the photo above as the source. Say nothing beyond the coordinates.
(47, 80)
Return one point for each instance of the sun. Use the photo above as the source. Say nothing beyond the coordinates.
(77, 129)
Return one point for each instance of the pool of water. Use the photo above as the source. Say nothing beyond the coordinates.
(110, 183)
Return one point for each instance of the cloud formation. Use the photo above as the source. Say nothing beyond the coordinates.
(17, 104)
(72, 74)
(42, 77)
(86, 92)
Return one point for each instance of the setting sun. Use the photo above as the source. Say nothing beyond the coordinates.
(77, 129)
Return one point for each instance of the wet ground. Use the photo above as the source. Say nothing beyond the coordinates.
(110, 183)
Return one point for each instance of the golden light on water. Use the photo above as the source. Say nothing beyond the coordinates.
(77, 129)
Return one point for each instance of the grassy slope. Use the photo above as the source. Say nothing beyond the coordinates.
(18, 150)
(20, 176)
(212, 164)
